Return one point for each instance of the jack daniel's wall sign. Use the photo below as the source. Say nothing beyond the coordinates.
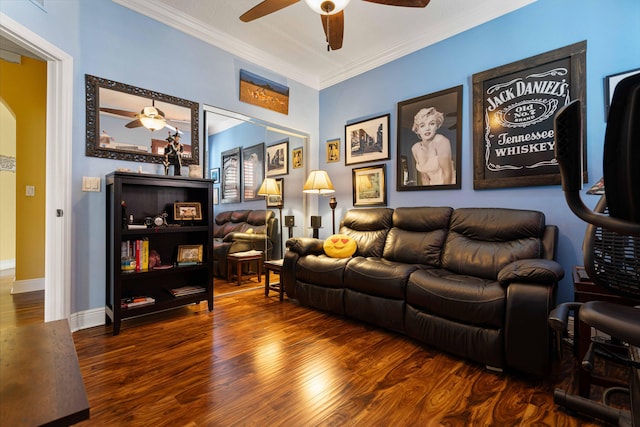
(514, 109)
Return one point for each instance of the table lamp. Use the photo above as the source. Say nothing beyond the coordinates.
(318, 182)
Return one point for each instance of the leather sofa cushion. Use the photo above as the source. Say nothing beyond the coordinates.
(418, 235)
(378, 276)
(321, 270)
(481, 241)
(369, 228)
(466, 299)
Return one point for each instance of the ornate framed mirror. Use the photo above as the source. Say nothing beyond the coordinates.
(129, 123)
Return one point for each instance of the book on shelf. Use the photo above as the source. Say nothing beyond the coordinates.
(252, 252)
(136, 253)
(131, 302)
(187, 290)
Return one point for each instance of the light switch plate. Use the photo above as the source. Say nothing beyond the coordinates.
(90, 183)
(31, 191)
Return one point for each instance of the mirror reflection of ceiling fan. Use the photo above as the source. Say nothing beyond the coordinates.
(331, 13)
(150, 117)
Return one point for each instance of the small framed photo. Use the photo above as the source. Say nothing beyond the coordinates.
(370, 186)
(610, 83)
(273, 201)
(333, 150)
(296, 155)
(367, 141)
(216, 196)
(278, 158)
(190, 253)
(187, 211)
(214, 174)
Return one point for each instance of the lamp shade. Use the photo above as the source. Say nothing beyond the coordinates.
(318, 182)
(324, 7)
(269, 187)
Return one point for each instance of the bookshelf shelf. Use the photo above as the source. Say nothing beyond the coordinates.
(145, 196)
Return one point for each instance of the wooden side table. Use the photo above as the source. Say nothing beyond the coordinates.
(41, 382)
(585, 290)
(275, 266)
(239, 259)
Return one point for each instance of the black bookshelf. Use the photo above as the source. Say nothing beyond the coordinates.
(145, 197)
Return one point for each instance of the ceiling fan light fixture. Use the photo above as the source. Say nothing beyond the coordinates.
(152, 118)
(327, 7)
(152, 123)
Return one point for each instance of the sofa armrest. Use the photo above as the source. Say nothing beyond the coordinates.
(305, 246)
(252, 237)
(542, 271)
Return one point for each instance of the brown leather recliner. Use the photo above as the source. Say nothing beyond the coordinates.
(244, 230)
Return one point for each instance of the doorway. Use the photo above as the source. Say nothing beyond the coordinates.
(57, 281)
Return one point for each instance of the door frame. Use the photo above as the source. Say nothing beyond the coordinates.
(57, 280)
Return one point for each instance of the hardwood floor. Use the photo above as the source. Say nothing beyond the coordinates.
(257, 361)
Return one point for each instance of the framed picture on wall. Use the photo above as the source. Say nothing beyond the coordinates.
(252, 171)
(367, 141)
(278, 158)
(370, 186)
(610, 83)
(430, 141)
(216, 195)
(230, 161)
(514, 107)
(214, 174)
(296, 156)
(333, 150)
(272, 201)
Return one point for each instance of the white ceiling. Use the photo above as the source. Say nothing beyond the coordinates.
(291, 42)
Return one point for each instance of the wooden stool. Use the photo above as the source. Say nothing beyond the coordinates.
(240, 259)
(274, 265)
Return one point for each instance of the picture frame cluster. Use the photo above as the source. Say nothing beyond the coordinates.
(514, 106)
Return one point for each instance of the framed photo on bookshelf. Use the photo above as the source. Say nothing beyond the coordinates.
(187, 211)
(190, 253)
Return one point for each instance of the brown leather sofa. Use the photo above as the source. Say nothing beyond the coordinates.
(244, 230)
(476, 282)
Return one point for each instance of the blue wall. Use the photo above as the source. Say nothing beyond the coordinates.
(110, 41)
(612, 32)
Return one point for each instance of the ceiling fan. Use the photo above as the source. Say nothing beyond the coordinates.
(150, 117)
(331, 13)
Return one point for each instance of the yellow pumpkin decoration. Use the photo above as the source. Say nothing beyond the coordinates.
(339, 246)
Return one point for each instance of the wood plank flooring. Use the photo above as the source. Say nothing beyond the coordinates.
(255, 361)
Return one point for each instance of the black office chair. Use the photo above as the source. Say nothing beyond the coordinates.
(612, 247)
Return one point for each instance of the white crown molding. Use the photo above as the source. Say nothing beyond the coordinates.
(483, 12)
(480, 13)
(188, 25)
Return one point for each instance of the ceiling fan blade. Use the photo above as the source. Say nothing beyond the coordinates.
(264, 8)
(404, 3)
(118, 112)
(134, 124)
(334, 29)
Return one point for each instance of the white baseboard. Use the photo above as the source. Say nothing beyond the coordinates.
(7, 264)
(29, 285)
(87, 319)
